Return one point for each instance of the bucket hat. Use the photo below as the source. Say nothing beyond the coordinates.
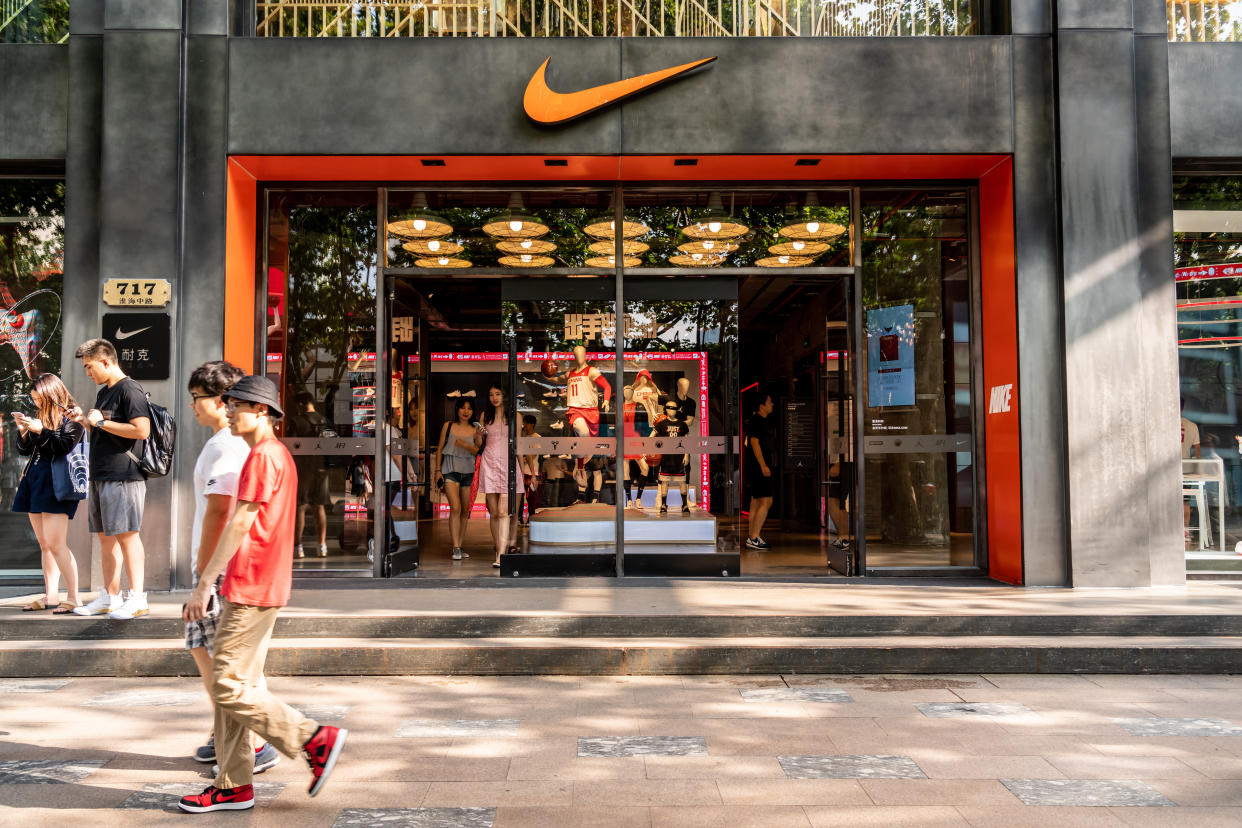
(258, 390)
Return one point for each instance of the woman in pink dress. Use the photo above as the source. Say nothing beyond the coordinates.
(494, 470)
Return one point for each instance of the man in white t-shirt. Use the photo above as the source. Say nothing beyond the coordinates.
(216, 473)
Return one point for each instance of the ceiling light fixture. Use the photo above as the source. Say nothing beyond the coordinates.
(526, 260)
(813, 223)
(798, 248)
(715, 224)
(708, 247)
(696, 260)
(514, 223)
(422, 223)
(443, 262)
(784, 261)
(611, 261)
(608, 247)
(432, 247)
(520, 246)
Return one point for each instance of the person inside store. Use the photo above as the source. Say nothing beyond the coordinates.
(1190, 450)
(461, 439)
(840, 484)
(47, 439)
(672, 463)
(494, 472)
(760, 474)
(312, 476)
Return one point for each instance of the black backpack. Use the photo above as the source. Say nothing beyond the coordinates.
(157, 449)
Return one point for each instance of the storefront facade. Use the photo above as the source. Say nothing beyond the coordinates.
(1004, 195)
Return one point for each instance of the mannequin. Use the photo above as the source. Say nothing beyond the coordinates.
(686, 408)
(672, 466)
(632, 460)
(647, 403)
(583, 383)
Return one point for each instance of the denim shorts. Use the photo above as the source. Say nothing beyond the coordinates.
(463, 479)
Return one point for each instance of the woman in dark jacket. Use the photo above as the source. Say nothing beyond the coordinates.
(44, 438)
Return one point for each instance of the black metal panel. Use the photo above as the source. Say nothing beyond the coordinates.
(1030, 16)
(1151, 17)
(208, 17)
(1094, 14)
(147, 15)
(1205, 95)
(409, 96)
(832, 95)
(34, 100)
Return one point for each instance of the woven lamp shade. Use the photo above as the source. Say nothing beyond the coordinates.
(784, 261)
(696, 260)
(432, 247)
(715, 228)
(611, 261)
(608, 247)
(515, 226)
(605, 228)
(798, 248)
(420, 226)
(442, 261)
(527, 246)
(526, 260)
(812, 230)
(708, 247)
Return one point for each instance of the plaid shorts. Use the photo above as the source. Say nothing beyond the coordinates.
(202, 633)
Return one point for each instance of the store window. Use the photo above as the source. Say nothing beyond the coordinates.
(1207, 252)
(32, 240)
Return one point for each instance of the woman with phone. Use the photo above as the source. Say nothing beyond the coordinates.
(45, 438)
(460, 441)
(494, 473)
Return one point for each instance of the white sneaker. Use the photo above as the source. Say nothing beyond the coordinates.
(457, 553)
(102, 605)
(299, 552)
(323, 550)
(134, 605)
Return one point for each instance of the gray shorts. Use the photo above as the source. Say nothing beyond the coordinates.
(115, 506)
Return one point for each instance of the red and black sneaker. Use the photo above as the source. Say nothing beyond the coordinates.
(321, 754)
(219, 799)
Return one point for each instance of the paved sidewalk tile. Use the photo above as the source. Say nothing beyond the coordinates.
(792, 792)
(1088, 792)
(31, 685)
(439, 728)
(146, 698)
(850, 767)
(47, 771)
(642, 746)
(572, 817)
(324, 712)
(949, 710)
(1026, 816)
(1179, 727)
(417, 817)
(771, 816)
(817, 695)
(1200, 792)
(631, 792)
(1182, 817)
(878, 816)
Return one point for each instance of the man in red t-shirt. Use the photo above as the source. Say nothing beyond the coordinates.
(257, 548)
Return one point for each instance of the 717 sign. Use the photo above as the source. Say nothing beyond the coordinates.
(137, 293)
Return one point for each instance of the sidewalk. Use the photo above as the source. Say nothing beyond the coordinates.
(661, 751)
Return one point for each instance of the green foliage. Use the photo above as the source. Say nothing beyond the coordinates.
(40, 21)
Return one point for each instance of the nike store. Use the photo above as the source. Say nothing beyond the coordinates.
(787, 298)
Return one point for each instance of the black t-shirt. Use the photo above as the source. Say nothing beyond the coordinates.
(760, 428)
(671, 428)
(685, 408)
(121, 403)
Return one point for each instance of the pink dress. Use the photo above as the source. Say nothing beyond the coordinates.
(494, 462)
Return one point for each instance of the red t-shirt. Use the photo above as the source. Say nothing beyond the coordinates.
(261, 573)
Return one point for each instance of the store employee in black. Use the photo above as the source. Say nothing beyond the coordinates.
(760, 461)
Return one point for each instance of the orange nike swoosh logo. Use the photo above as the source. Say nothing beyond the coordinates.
(548, 107)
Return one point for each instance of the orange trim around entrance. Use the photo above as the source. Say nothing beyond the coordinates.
(996, 222)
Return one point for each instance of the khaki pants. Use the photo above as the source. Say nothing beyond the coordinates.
(242, 700)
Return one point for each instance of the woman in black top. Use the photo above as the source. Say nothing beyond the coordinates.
(45, 438)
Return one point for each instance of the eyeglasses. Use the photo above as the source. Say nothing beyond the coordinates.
(232, 403)
(194, 398)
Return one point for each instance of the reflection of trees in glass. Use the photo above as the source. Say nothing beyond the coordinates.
(332, 266)
(32, 242)
(40, 21)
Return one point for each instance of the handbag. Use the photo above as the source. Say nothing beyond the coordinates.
(71, 473)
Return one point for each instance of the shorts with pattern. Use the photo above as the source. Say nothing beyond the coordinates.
(202, 633)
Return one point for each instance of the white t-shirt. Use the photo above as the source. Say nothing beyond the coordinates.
(216, 472)
(1190, 437)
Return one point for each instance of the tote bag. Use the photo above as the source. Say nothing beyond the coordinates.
(71, 473)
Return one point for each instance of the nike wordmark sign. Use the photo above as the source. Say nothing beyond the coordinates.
(547, 107)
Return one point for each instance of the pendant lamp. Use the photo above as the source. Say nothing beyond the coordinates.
(611, 261)
(605, 226)
(442, 261)
(696, 260)
(526, 260)
(784, 261)
(608, 247)
(798, 248)
(422, 223)
(514, 223)
(432, 247)
(715, 224)
(525, 246)
(812, 223)
(708, 247)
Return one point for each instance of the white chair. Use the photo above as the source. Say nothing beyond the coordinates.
(1196, 490)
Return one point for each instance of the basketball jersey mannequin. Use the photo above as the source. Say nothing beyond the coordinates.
(583, 383)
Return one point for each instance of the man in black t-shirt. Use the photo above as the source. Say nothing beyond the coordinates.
(119, 421)
(760, 457)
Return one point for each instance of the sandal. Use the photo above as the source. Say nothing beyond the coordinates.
(65, 608)
(35, 606)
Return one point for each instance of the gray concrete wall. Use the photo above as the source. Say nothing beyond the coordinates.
(34, 101)
(1120, 347)
(465, 96)
(1205, 92)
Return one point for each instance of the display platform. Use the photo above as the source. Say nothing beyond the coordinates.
(578, 528)
(698, 562)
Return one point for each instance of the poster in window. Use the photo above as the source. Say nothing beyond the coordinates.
(890, 356)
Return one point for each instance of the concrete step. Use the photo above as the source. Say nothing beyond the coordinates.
(16, 627)
(648, 656)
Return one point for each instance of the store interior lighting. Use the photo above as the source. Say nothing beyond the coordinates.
(519, 247)
(514, 223)
(812, 224)
(798, 248)
(708, 247)
(526, 260)
(611, 261)
(715, 224)
(608, 247)
(422, 223)
(696, 260)
(432, 247)
(784, 261)
(442, 261)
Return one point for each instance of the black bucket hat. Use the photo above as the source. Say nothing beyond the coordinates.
(258, 390)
